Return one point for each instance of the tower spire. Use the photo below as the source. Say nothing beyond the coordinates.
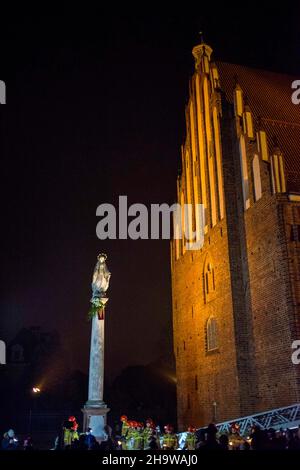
(202, 53)
(201, 37)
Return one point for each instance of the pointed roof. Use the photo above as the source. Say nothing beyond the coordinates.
(269, 98)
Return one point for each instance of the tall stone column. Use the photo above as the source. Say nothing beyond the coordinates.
(96, 372)
(95, 410)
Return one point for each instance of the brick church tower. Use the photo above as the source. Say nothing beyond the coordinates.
(236, 300)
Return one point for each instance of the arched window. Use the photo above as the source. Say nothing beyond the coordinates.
(209, 280)
(256, 178)
(211, 334)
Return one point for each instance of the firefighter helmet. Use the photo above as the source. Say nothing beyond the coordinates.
(168, 428)
(191, 429)
(234, 427)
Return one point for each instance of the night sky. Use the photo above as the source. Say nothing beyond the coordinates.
(95, 109)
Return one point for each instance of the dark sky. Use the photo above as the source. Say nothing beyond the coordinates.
(95, 109)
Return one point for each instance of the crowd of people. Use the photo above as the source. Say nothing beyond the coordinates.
(135, 435)
(257, 439)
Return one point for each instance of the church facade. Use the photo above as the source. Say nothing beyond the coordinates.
(236, 300)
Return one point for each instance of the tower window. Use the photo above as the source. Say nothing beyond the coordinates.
(211, 334)
(209, 281)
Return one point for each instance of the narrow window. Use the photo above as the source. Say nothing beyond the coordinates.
(207, 283)
(211, 334)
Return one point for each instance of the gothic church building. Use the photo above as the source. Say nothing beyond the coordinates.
(236, 301)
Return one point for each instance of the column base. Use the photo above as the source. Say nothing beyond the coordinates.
(94, 417)
(95, 404)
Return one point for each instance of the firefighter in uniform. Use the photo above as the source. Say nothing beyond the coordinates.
(70, 431)
(235, 439)
(170, 439)
(190, 440)
(138, 437)
(130, 435)
(124, 430)
(148, 432)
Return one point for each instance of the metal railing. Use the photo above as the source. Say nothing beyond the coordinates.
(287, 417)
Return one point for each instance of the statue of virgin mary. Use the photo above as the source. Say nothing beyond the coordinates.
(101, 277)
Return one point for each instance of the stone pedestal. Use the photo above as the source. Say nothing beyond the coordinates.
(95, 418)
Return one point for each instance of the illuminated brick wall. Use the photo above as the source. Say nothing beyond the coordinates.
(246, 277)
